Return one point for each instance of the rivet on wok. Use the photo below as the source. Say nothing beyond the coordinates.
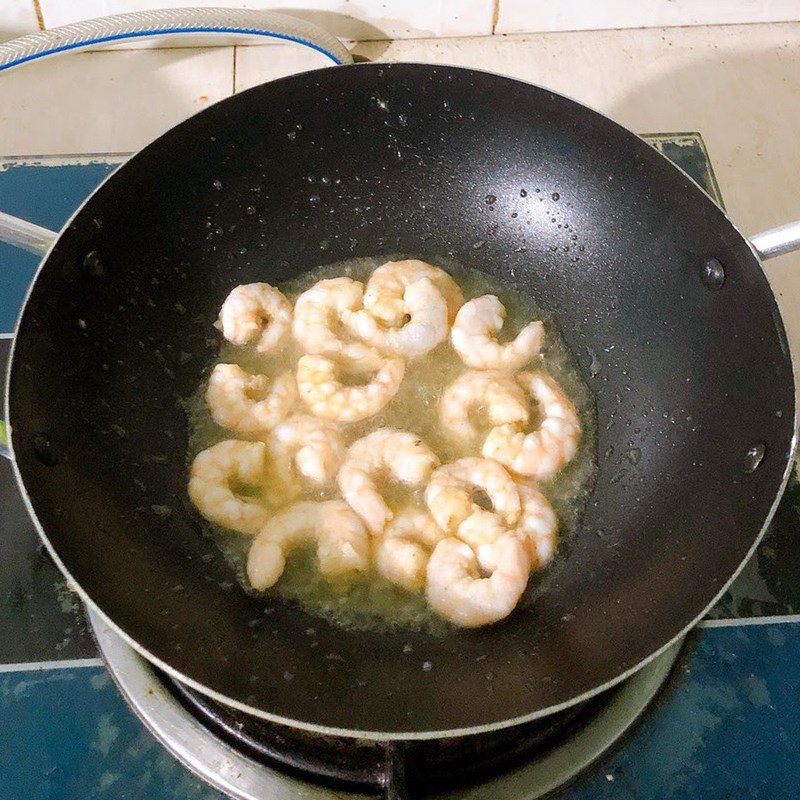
(93, 265)
(754, 457)
(712, 274)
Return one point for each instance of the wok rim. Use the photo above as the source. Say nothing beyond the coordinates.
(374, 735)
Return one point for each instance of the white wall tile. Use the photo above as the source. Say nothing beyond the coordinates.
(17, 17)
(522, 16)
(107, 102)
(255, 65)
(348, 19)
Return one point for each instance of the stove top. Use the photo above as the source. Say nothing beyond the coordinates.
(726, 724)
(250, 759)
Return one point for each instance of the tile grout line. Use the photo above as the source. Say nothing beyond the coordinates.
(39, 666)
(495, 16)
(743, 622)
(233, 87)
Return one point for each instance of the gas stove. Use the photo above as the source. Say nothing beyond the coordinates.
(250, 759)
(717, 719)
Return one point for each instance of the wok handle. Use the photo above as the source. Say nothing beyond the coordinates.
(25, 235)
(35, 239)
(777, 241)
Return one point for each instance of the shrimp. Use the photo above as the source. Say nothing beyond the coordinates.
(384, 295)
(403, 454)
(480, 528)
(248, 404)
(256, 312)
(426, 327)
(473, 337)
(402, 552)
(456, 591)
(543, 452)
(306, 445)
(538, 527)
(342, 542)
(212, 478)
(536, 530)
(494, 393)
(450, 492)
(317, 317)
(329, 398)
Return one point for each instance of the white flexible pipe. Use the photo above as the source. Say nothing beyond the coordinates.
(171, 21)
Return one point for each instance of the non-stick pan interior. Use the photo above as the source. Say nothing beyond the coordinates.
(399, 160)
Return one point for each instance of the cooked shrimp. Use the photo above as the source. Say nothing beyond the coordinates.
(473, 337)
(493, 393)
(386, 287)
(329, 398)
(536, 530)
(481, 527)
(542, 453)
(249, 404)
(212, 478)
(317, 323)
(307, 445)
(456, 591)
(538, 526)
(426, 327)
(342, 542)
(450, 494)
(256, 312)
(402, 552)
(404, 455)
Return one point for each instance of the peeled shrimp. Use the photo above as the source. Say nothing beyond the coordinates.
(318, 318)
(474, 332)
(404, 455)
(327, 397)
(450, 492)
(342, 542)
(456, 591)
(307, 445)
(249, 404)
(210, 478)
(543, 452)
(384, 295)
(537, 530)
(402, 552)
(494, 393)
(481, 527)
(538, 526)
(256, 312)
(426, 327)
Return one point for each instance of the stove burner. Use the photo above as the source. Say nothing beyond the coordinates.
(250, 759)
(398, 769)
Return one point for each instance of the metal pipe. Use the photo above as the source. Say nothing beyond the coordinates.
(25, 235)
(777, 241)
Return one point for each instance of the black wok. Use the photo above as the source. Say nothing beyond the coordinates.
(660, 298)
